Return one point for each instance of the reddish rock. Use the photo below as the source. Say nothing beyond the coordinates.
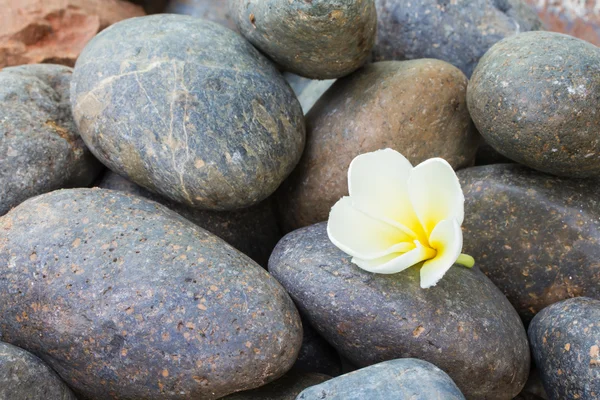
(579, 18)
(55, 31)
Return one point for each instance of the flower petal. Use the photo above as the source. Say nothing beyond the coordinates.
(377, 183)
(435, 193)
(447, 240)
(362, 236)
(395, 262)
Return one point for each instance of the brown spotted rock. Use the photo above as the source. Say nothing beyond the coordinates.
(253, 231)
(464, 325)
(126, 299)
(55, 31)
(415, 107)
(322, 39)
(530, 98)
(40, 147)
(188, 109)
(537, 237)
(565, 342)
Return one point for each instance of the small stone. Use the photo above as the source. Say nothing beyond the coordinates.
(576, 18)
(23, 376)
(285, 388)
(459, 32)
(415, 107)
(125, 299)
(212, 10)
(40, 148)
(530, 98)
(323, 39)
(537, 237)
(253, 231)
(464, 325)
(55, 31)
(402, 379)
(565, 341)
(188, 109)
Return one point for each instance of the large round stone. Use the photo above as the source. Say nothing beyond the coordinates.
(23, 376)
(459, 32)
(189, 109)
(40, 148)
(402, 379)
(464, 325)
(126, 299)
(321, 39)
(565, 341)
(533, 98)
(537, 237)
(415, 107)
(254, 230)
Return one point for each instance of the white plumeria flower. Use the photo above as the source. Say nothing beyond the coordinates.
(397, 216)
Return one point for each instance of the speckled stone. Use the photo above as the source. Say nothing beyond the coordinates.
(535, 236)
(531, 97)
(316, 355)
(565, 341)
(459, 31)
(40, 148)
(464, 325)
(188, 109)
(415, 107)
(23, 376)
(322, 39)
(403, 379)
(212, 10)
(253, 231)
(125, 299)
(285, 388)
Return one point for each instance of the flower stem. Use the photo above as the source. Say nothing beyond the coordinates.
(466, 260)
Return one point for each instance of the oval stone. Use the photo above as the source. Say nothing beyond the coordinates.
(322, 39)
(459, 32)
(188, 109)
(254, 230)
(40, 148)
(565, 341)
(531, 96)
(415, 107)
(464, 325)
(537, 237)
(126, 299)
(23, 376)
(402, 379)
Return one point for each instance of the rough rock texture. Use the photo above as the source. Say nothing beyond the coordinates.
(403, 379)
(565, 341)
(55, 31)
(573, 17)
(188, 109)
(40, 148)
(464, 325)
(415, 107)
(285, 388)
(458, 31)
(535, 236)
(253, 231)
(126, 299)
(316, 355)
(212, 10)
(531, 96)
(322, 39)
(23, 376)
